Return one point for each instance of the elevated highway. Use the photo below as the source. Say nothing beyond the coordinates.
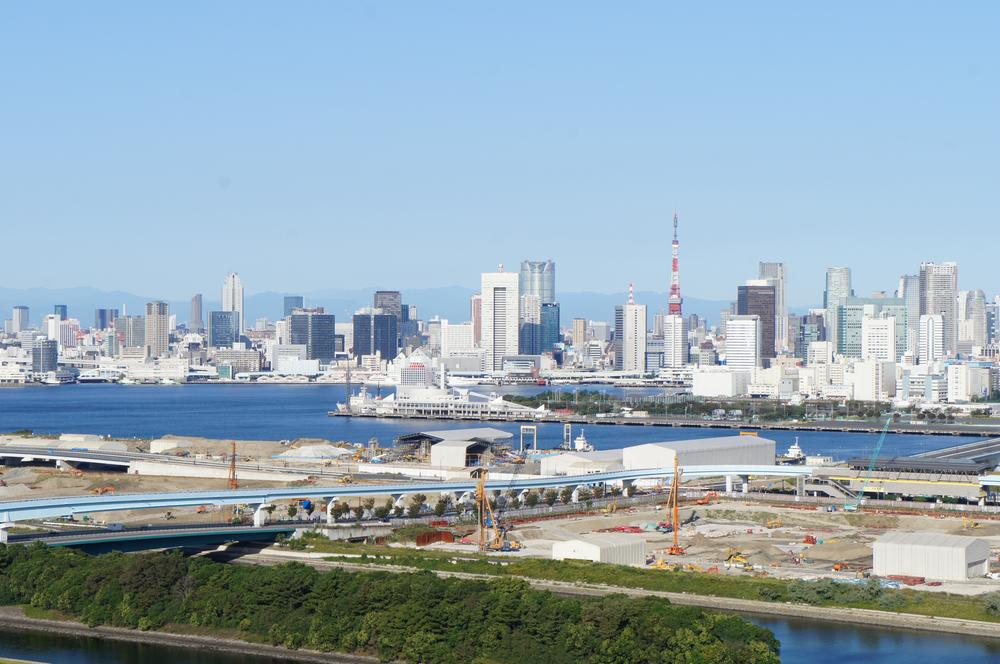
(259, 499)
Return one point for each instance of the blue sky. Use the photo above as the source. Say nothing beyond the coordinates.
(350, 144)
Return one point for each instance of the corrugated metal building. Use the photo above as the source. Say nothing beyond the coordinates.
(613, 548)
(581, 463)
(742, 450)
(931, 555)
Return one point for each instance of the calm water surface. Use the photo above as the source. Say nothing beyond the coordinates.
(276, 412)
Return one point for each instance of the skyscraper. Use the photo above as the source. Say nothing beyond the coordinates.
(476, 316)
(232, 297)
(909, 293)
(222, 330)
(157, 332)
(634, 325)
(932, 339)
(878, 339)
(316, 330)
(538, 278)
(376, 332)
(500, 294)
(196, 322)
(774, 274)
(550, 326)
(530, 325)
(61, 310)
(675, 341)
(579, 332)
(104, 318)
(938, 295)
(131, 331)
(19, 319)
(44, 355)
(972, 322)
(838, 289)
(757, 298)
(743, 342)
(291, 303)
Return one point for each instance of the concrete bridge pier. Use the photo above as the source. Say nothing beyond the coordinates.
(627, 486)
(3, 531)
(729, 483)
(260, 514)
(329, 510)
(746, 483)
(800, 488)
(62, 464)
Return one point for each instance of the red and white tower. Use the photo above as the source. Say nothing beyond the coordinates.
(675, 300)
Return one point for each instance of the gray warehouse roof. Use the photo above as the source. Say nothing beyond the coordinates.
(937, 540)
(713, 442)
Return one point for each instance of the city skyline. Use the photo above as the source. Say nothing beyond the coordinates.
(752, 135)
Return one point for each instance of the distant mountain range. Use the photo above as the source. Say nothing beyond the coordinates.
(451, 302)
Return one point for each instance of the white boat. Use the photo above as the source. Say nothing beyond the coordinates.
(100, 376)
(380, 379)
(580, 443)
(794, 454)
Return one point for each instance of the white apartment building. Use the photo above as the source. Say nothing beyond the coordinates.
(499, 317)
(819, 352)
(634, 337)
(932, 344)
(675, 341)
(743, 343)
(966, 382)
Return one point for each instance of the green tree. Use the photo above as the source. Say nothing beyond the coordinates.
(417, 501)
(551, 497)
(566, 495)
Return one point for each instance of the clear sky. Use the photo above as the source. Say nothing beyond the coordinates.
(349, 144)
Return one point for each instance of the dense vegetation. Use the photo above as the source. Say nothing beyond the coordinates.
(413, 617)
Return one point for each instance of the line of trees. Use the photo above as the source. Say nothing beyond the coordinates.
(410, 617)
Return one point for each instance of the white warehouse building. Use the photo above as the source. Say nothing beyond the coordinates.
(613, 548)
(931, 555)
(738, 450)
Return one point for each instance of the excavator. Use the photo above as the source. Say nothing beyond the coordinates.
(492, 536)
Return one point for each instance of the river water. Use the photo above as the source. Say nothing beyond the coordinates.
(276, 412)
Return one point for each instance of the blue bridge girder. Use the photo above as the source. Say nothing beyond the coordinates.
(63, 506)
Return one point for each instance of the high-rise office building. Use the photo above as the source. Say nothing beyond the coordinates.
(938, 295)
(390, 302)
(476, 316)
(157, 332)
(909, 293)
(291, 303)
(850, 316)
(744, 342)
(61, 310)
(972, 323)
(105, 318)
(376, 332)
(675, 341)
(550, 326)
(44, 355)
(838, 289)
(757, 298)
(774, 274)
(196, 322)
(131, 331)
(19, 319)
(501, 294)
(538, 278)
(316, 330)
(232, 298)
(932, 339)
(222, 332)
(878, 339)
(529, 331)
(579, 332)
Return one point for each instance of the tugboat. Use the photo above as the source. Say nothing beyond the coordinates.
(580, 443)
(794, 454)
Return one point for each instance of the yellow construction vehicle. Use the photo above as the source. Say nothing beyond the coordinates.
(969, 524)
(774, 523)
(346, 479)
(611, 507)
